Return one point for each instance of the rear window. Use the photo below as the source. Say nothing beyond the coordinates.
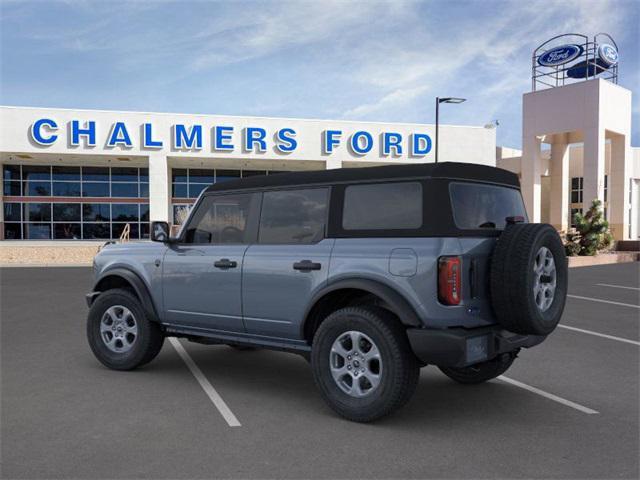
(477, 206)
(383, 206)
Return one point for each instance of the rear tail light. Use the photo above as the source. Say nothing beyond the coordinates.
(449, 280)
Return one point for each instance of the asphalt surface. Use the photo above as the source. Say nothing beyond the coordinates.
(66, 416)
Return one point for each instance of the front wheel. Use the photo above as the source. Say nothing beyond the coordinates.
(481, 372)
(119, 332)
(363, 364)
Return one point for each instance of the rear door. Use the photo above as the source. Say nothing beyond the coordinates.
(289, 262)
(202, 273)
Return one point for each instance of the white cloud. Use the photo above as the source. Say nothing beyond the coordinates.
(489, 55)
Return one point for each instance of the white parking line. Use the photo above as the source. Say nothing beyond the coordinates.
(213, 395)
(616, 286)
(610, 337)
(604, 301)
(548, 395)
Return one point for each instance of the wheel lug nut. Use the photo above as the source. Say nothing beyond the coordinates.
(348, 367)
(348, 357)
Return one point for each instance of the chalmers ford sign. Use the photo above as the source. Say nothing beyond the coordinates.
(45, 132)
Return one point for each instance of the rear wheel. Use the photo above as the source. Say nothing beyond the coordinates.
(481, 372)
(362, 363)
(119, 332)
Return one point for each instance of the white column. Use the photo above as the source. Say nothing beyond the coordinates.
(332, 163)
(531, 171)
(593, 164)
(618, 188)
(159, 188)
(559, 201)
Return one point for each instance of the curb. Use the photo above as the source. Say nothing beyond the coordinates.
(43, 265)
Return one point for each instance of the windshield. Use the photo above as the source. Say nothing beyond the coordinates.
(477, 206)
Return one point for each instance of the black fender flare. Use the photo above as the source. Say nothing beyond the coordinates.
(397, 303)
(138, 285)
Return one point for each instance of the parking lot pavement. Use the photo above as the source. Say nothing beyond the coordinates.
(65, 416)
(605, 317)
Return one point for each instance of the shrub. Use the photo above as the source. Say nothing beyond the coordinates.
(591, 234)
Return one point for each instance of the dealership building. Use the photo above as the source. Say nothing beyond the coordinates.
(90, 175)
(85, 174)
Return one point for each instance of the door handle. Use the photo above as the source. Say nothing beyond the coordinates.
(225, 263)
(306, 265)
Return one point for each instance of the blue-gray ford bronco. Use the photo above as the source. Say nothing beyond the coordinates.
(370, 273)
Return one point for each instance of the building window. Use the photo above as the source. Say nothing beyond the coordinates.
(188, 183)
(74, 221)
(63, 181)
(63, 212)
(576, 189)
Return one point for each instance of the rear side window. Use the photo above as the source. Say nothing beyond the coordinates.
(293, 216)
(383, 206)
(477, 206)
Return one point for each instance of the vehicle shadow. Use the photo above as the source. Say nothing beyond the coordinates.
(281, 382)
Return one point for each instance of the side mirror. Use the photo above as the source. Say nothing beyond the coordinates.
(160, 232)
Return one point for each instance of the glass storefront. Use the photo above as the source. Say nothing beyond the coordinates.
(77, 202)
(188, 183)
(45, 202)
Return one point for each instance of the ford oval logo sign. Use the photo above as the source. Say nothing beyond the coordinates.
(560, 55)
(608, 54)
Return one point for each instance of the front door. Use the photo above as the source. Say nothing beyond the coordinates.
(289, 262)
(202, 272)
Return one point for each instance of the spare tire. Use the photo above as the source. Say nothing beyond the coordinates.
(528, 280)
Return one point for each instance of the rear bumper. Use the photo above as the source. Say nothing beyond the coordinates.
(459, 347)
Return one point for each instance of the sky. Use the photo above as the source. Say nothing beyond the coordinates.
(365, 60)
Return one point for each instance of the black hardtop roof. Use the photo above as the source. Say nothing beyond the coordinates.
(451, 170)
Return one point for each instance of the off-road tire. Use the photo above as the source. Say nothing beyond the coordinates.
(480, 372)
(149, 338)
(512, 278)
(399, 375)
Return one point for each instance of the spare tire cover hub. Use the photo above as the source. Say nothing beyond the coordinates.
(544, 283)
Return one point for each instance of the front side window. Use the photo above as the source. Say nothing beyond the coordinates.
(221, 219)
(383, 206)
(478, 206)
(293, 216)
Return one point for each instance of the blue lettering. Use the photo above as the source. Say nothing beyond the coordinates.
(356, 145)
(89, 131)
(119, 136)
(36, 131)
(255, 135)
(391, 140)
(147, 138)
(421, 144)
(221, 137)
(286, 141)
(186, 139)
(329, 140)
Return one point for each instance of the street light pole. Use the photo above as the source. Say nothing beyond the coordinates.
(437, 124)
(438, 102)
